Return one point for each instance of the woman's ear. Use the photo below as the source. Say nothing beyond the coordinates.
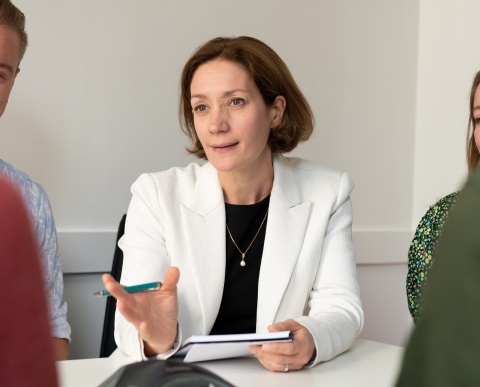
(278, 108)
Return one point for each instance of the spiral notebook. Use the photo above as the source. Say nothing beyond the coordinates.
(212, 347)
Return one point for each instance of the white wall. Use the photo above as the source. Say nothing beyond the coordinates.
(100, 85)
(95, 105)
(448, 60)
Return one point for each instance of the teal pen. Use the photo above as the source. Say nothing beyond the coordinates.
(132, 289)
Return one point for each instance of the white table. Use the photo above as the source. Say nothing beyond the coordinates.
(367, 363)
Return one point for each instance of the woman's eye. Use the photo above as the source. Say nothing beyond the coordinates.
(477, 121)
(236, 101)
(200, 108)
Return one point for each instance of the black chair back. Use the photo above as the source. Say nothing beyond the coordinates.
(108, 341)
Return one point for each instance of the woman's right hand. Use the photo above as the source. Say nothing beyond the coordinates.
(154, 314)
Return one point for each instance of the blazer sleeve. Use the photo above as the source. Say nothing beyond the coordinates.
(336, 316)
(145, 258)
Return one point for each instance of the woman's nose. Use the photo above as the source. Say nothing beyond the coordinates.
(218, 121)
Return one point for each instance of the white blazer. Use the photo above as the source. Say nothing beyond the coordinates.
(308, 272)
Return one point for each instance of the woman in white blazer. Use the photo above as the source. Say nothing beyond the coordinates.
(250, 241)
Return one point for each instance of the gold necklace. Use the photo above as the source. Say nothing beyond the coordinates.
(242, 263)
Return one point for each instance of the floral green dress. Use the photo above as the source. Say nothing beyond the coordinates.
(422, 249)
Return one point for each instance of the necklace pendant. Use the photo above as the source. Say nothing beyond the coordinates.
(242, 262)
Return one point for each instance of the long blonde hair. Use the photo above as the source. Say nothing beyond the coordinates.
(473, 156)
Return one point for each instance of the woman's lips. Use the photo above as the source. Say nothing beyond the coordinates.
(223, 148)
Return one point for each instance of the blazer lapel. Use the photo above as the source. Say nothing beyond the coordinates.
(204, 219)
(286, 226)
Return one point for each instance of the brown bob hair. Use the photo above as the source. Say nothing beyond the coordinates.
(271, 76)
(473, 156)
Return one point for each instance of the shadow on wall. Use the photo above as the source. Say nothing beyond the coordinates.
(85, 314)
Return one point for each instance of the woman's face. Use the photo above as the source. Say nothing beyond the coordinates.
(230, 117)
(476, 116)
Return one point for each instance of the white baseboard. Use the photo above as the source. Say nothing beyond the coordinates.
(381, 247)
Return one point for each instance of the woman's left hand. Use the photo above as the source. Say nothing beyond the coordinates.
(283, 357)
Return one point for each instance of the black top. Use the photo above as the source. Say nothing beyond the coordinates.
(238, 310)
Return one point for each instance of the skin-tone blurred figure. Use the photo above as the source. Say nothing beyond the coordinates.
(27, 356)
